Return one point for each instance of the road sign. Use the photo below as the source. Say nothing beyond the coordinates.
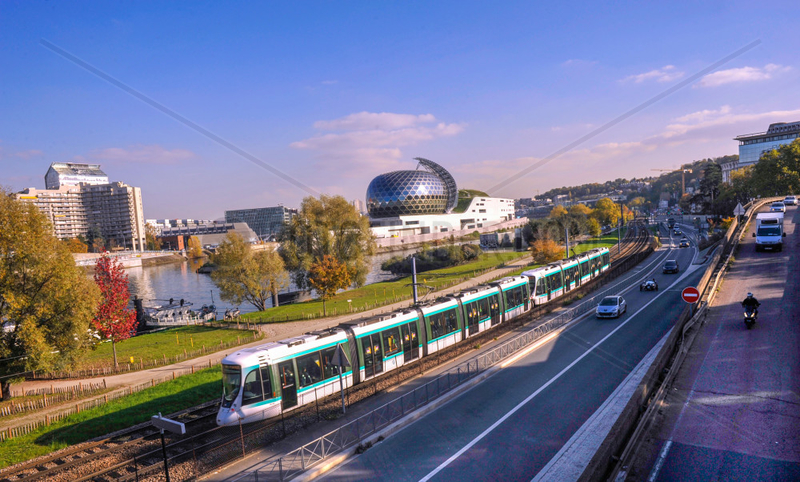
(690, 294)
(738, 210)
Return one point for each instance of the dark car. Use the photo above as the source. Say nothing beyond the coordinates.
(649, 285)
(671, 266)
(684, 243)
(676, 232)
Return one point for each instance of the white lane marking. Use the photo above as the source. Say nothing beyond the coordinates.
(662, 456)
(530, 397)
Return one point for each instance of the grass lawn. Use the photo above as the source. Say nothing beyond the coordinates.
(380, 294)
(183, 392)
(604, 241)
(171, 342)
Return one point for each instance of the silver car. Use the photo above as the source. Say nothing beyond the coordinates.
(777, 207)
(611, 307)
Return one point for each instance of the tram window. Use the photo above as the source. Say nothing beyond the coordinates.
(391, 341)
(410, 334)
(452, 321)
(266, 381)
(540, 288)
(436, 323)
(308, 367)
(483, 308)
(252, 388)
(328, 369)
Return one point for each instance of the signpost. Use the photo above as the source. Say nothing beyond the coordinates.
(167, 424)
(690, 294)
(738, 211)
(340, 360)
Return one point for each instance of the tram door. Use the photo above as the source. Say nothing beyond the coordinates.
(373, 355)
(494, 309)
(410, 343)
(288, 384)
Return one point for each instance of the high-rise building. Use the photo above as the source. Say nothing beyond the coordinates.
(266, 222)
(752, 146)
(74, 209)
(73, 174)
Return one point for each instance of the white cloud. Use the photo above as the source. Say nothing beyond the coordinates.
(701, 122)
(373, 120)
(140, 154)
(664, 74)
(376, 138)
(741, 74)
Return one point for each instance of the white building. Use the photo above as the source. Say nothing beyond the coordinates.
(481, 212)
(753, 146)
(73, 174)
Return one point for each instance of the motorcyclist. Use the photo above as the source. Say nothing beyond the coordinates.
(751, 302)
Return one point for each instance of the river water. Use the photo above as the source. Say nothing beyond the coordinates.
(181, 281)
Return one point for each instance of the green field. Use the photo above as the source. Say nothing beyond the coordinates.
(380, 294)
(183, 392)
(169, 343)
(604, 241)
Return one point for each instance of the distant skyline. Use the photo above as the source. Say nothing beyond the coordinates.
(333, 94)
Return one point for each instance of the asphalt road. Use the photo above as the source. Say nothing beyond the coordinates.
(733, 412)
(512, 424)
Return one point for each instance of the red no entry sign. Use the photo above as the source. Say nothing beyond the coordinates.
(690, 294)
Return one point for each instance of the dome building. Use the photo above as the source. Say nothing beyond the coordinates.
(426, 200)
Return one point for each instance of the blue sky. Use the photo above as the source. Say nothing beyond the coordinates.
(335, 93)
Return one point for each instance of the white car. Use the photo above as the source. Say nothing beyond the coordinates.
(777, 207)
(790, 200)
(611, 307)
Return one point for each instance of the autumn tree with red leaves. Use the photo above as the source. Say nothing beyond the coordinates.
(113, 319)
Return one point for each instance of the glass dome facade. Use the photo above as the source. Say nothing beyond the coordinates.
(402, 193)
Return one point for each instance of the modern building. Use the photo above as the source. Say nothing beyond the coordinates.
(752, 146)
(73, 174)
(266, 222)
(426, 200)
(209, 235)
(114, 208)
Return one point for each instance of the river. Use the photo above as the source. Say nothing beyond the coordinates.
(181, 281)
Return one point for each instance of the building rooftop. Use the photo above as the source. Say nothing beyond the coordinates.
(77, 169)
(774, 129)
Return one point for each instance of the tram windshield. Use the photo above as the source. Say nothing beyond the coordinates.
(231, 383)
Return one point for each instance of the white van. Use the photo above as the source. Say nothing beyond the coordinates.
(769, 231)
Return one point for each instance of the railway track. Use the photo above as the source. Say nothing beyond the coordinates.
(91, 460)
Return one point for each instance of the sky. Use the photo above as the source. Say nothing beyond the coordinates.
(209, 106)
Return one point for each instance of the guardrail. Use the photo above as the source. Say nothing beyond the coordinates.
(358, 431)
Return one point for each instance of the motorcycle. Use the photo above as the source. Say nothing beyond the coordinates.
(750, 315)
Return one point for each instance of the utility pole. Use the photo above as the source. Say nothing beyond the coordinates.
(619, 230)
(414, 278)
(566, 228)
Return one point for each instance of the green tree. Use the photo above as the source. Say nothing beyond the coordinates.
(778, 171)
(558, 211)
(329, 226)
(580, 210)
(593, 227)
(328, 276)
(95, 240)
(247, 275)
(46, 301)
(151, 238)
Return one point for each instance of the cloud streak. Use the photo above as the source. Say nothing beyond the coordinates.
(741, 74)
(668, 73)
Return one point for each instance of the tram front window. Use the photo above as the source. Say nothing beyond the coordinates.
(231, 383)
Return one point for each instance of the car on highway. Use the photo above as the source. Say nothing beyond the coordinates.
(611, 307)
(676, 232)
(649, 285)
(684, 243)
(790, 200)
(671, 266)
(777, 207)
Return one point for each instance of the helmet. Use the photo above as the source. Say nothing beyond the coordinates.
(749, 295)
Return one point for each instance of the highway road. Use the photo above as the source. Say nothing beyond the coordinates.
(733, 412)
(512, 424)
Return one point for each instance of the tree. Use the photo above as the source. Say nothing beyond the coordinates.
(546, 251)
(113, 319)
(778, 171)
(708, 192)
(580, 210)
(95, 240)
(195, 248)
(328, 276)
(329, 226)
(46, 301)
(247, 275)
(151, 238)
(606, 212)
(593, 227)
(75, 245)
(558, 211)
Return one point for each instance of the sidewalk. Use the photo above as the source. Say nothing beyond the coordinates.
(272, 331)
